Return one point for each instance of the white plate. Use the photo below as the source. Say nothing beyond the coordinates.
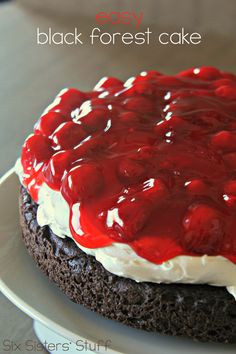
(32, 292)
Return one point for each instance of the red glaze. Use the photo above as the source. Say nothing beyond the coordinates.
(151, 164)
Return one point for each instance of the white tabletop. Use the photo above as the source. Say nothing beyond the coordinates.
(31, 75)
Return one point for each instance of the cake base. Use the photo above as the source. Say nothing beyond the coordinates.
(201, 312)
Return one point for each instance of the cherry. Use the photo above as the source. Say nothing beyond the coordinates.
(97, 102)
(73, 97)
(168, 82)
(230, 200)
(154, 190)
(49, 122)
(203, 229)
(129, 118)
(68, 136)
(229, 76)
(209, 119)
(32, 157)
(147, 76)
(196, 186)
(221, 82)
(230, 160)
(230, 187)
(204, 73)
(81, 183)
(91, 147)
(133, 215)
(108, 82)
(131, 169)
(139, 104)
(174, 123)
(230, 193)
(227, 92)
(224, 140)
(189, 73)
(67, 101)
(95, 120)
(139, 137)
(57, 167)
(145, 152)
(145, 88)
(146, 84)
(208, 73)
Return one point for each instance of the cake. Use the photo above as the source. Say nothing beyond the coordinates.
(128, 200)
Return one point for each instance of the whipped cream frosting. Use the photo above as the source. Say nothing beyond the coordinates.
(121, 259)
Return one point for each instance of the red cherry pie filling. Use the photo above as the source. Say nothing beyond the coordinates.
(150, 163)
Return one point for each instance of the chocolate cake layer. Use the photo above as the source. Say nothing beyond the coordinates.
(201, 312)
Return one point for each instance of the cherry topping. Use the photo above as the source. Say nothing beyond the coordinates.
(129, 118)
(145, 152)
(57, 168)
(139, 104)
(230, 200)
(33, 156)
(230, 160)
(229, 195)
(208, 73)
(227, 92)
(197, 186)
(108, 82)
(154, 190)
(68, 135)
(91, 147)
(175, 123)
(204, 73)
(222, 82)
(68, 100)
(224, 140)
(131, 170)
(95, 120)
(203, 229)
(133, 214)
(49, 122)
(230, 187)
(150, 162)
(81, 183)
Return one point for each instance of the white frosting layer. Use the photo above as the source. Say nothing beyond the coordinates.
(120, 259)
